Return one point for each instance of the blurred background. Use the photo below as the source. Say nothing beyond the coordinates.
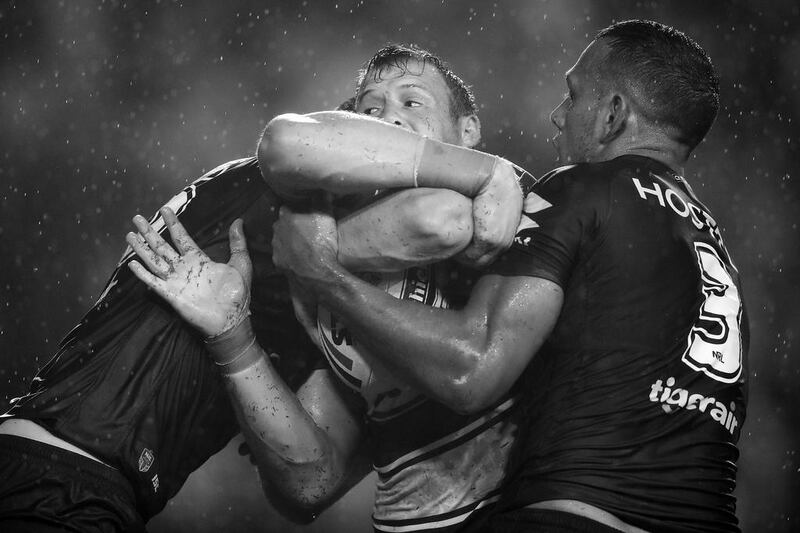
(107, 108)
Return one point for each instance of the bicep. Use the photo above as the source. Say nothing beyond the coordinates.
(519, 313)
(407, 228)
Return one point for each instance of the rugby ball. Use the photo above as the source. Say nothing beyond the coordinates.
(353, 364)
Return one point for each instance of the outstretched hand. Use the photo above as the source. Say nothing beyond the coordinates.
(212, 297)
(496, 211)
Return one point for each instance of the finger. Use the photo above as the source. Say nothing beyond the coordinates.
(157, 284)
(180, 237)
(154, 240)
(240, 258)
(153, 261)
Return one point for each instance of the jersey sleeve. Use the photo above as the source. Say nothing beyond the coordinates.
(560, 213)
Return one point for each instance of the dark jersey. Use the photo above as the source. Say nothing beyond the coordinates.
(637, 399)
(133, 385)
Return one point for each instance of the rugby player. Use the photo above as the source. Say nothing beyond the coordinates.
(130, 404)
(618, 305)
(438, 469)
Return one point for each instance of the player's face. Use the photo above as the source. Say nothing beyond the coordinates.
(415, 98)
(577, 115)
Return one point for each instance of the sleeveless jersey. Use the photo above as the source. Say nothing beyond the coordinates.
(637, 399)
(132, 383)
(435, 467)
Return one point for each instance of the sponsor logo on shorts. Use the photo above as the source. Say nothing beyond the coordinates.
(146, 460)
(674, 398)
(155, 482)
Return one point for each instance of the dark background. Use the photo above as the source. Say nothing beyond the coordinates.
(108, 108)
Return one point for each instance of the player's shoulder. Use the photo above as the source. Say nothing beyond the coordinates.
(598, 179)
(236, 166)
(603, 171)
(236, 178)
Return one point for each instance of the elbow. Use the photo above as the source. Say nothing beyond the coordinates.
(299, 504)
(471, 391)
(298, 512)
(279, 146)
(480, 383)
(469, 399)
(443, 218)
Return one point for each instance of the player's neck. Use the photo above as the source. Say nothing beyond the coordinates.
(665, 151)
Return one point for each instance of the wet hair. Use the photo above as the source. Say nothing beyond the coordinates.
(672, 75)
(347, 105)
(462, 101)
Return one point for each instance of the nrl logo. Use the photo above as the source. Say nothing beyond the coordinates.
(146, 460)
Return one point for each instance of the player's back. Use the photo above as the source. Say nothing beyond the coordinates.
(132, 384)
(638, 395)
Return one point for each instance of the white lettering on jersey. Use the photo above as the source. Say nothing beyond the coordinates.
(672, 399)
(714, 344)
(700, 218)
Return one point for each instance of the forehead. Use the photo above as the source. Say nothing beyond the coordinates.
(590, 62)
(406, 72)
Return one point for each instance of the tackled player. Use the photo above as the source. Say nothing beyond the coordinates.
(439, 469)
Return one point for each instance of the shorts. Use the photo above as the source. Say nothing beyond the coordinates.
(527, 520)
(46, 489)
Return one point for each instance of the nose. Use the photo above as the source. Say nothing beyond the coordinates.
(557, 116)
(391, 114)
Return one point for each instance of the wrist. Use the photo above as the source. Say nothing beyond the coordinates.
(235, 349)
(446, 166)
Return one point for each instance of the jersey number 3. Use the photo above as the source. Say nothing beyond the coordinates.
(714, 343)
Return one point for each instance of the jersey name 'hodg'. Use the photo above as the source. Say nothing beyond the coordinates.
(435, 467)
(637, 398)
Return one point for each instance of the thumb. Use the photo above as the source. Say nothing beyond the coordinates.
(240, 259)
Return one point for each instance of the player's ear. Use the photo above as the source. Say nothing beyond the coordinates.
(470, 130)
(614, 115)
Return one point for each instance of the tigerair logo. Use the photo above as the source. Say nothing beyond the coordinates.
(673, 398)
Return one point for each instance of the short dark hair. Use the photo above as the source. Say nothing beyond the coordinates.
(462, 101)
(347, 105)
(671, 72)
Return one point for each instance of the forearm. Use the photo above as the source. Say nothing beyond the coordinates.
(345, 153)
(409, 228)
(442, 353)
(299, 464)
(465, 358)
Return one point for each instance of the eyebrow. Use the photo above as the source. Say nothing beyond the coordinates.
(406, 85)
(413, 85)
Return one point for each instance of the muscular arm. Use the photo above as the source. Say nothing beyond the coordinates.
(408, 228)
(466, 358)
(346, 153)
(304, 445)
